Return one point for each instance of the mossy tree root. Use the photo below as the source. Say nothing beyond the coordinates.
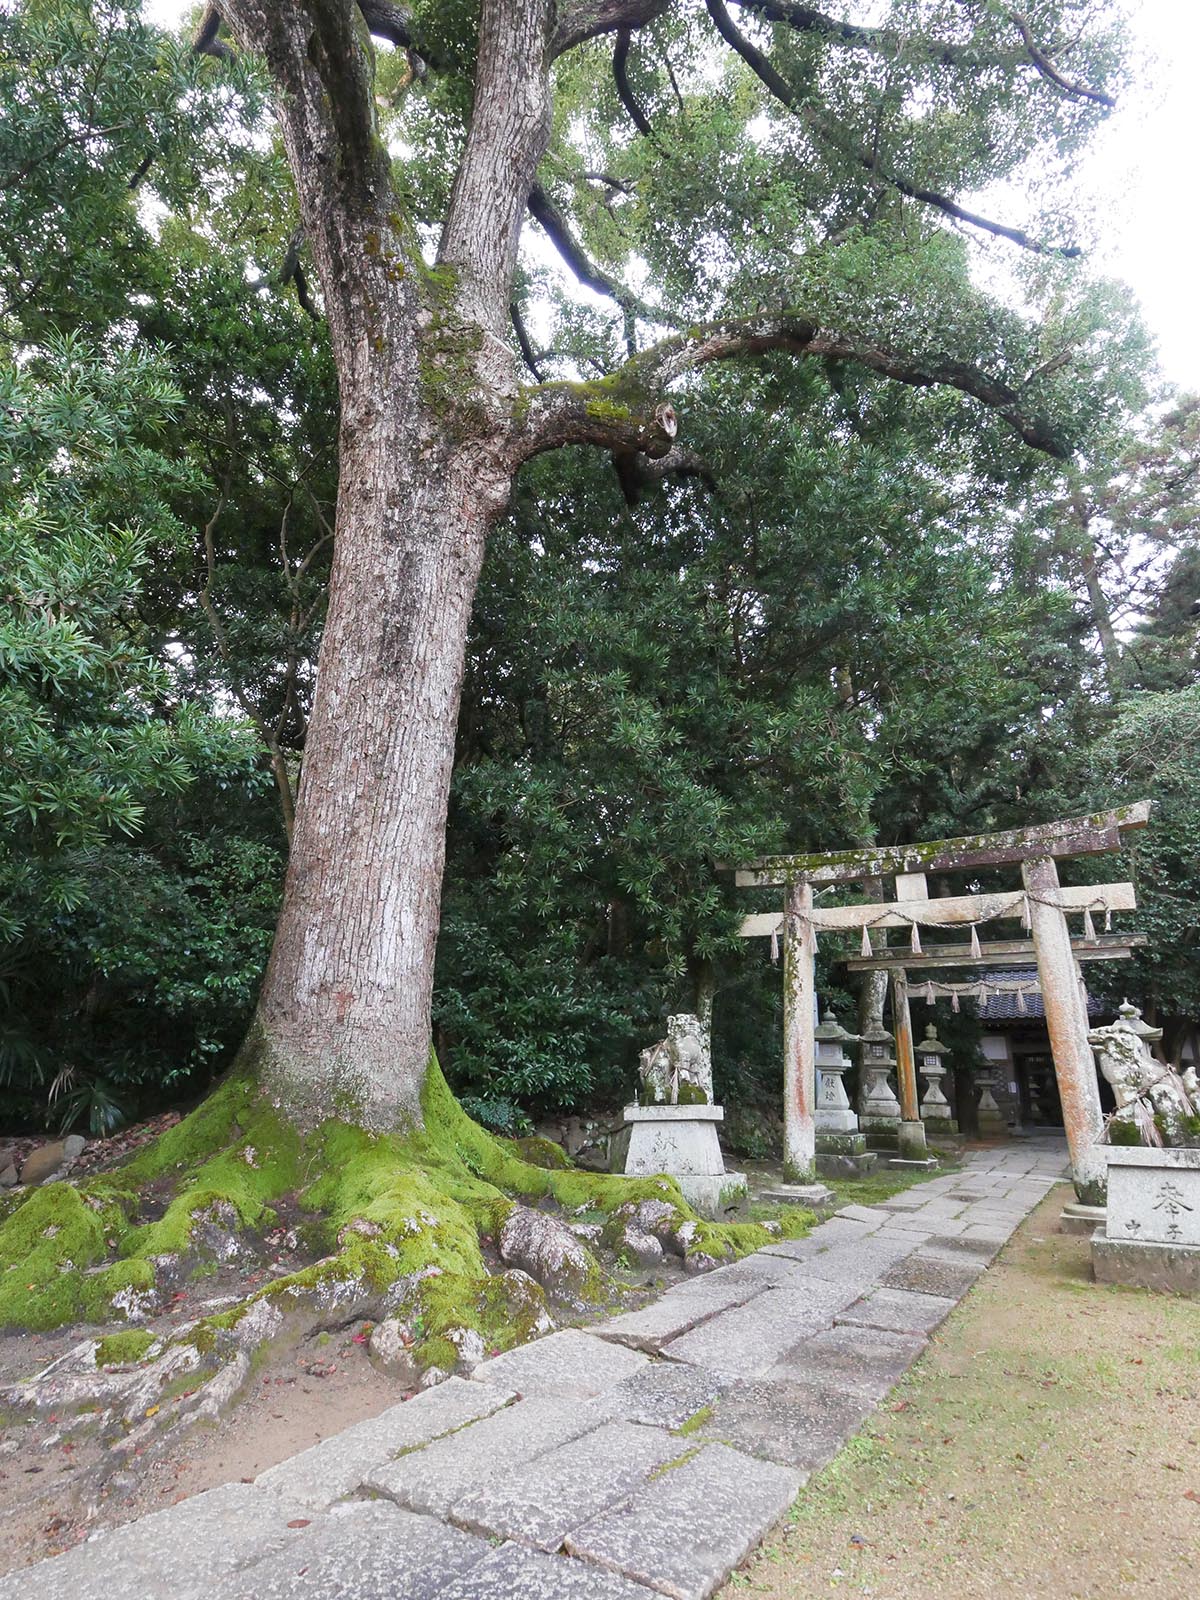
(396, 1219)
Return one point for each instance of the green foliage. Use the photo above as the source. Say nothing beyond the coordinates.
(101, 746)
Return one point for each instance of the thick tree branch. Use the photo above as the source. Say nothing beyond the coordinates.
(528, 354)
(825, 127)
(625, 94)
(587, 19)
(627, 411)
(1076, 91)
(205, 41)
(637, 472)
(939, 52)
(555, 227)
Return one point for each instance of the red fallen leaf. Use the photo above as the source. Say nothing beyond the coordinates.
(299, 1522)
(362, 1338)
(1191, 1494)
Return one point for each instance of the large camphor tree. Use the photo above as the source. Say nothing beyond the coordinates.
(436, 422)
(786, 182)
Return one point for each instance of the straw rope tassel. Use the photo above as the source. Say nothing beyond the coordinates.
(975, 951)
(1025, 922)
(1107, 919)
(954, 999)
(866, 943)
(928, 991)
(1022, 1008)
(1089, 927)
(774, 944)
(916, 940)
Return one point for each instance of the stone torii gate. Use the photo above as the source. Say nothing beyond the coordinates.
(1042, 905)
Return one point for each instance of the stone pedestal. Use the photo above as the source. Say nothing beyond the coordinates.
(992, 1122)
(1151, 1233)
(681, 1143)
(1076, 1217)
(878, 1108)
(841, 1144)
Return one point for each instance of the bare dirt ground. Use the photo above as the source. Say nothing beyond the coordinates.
(1046, 1445)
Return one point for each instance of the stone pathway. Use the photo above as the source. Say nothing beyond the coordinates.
(645, 1456)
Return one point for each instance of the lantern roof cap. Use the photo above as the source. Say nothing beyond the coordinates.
(1131, 1016)
(931, 1045)
(832, 1032)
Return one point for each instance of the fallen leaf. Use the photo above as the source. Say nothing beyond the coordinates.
(1192, 1495)
(151, 1411)
(299, 1522)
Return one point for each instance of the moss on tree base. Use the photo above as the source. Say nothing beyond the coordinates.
(397, 1222)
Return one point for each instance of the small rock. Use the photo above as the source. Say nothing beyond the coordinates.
(73, 1147)
(387, 1349)
(9, 1177)
(546, 1248)
(433, 1376)
(699, 1262)
(470, 1346)
(9, 1447)
(589, 1232)
(642, 1249)
(43, 1163)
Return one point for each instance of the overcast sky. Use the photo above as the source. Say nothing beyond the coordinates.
(1142, 172)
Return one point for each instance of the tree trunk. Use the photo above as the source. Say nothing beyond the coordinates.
(426, 465)
(345, 1008)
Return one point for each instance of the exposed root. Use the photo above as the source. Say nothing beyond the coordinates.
(402, 1231)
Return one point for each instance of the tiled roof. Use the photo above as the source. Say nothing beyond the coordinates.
(1004, 1007)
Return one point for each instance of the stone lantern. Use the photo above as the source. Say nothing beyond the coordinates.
(935, 1108)
(841, 1144)
(991, 1123)
(878, 1108)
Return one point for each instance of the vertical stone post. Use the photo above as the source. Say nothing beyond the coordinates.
(1067, 1021)
(799, 1046)
(912, 1130)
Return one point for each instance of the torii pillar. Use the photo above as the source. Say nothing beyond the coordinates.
(1067, 1022)
(799, 1046)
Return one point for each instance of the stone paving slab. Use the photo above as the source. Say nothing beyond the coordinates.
(795, 1249)
(363, 1551)
(748, 1339)
(335, 1467)
(864, 1361)
(841, 1230)
(872, 1216)
(685, 1534)
(678, 1312)
(962, 1244)
(515, 1572)
(795, 1423)
(927, 1273)
(188, 1551)
(665, 1394)
(542, 1501)
(760, 1269)
(433, 1479)
(897, 1311)
(864, 1262)
(570, 1364)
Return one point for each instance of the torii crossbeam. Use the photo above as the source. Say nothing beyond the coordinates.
(1042, 905)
